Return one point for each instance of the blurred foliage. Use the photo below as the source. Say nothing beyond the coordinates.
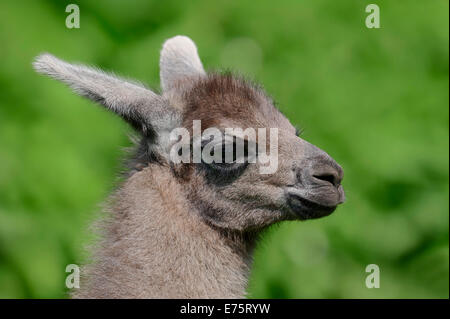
(375, 99)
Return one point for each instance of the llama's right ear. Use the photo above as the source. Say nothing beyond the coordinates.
(146, 111)
(179, 60)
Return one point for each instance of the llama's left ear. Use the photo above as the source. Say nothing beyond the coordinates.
(179, 60)
(146, 111)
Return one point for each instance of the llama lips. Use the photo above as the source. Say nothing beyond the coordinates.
(306, 209)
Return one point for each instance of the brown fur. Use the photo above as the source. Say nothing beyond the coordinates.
(221, 99)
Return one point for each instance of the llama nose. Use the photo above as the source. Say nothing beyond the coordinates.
(327, 172)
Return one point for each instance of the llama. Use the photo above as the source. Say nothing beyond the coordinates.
(188, 230)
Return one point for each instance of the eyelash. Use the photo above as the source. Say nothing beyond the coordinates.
(228, 168)
(298, 131)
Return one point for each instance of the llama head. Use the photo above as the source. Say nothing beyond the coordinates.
(252, 168)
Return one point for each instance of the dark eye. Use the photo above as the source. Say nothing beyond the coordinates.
(229, 157)
(223, 172)
(232, 155)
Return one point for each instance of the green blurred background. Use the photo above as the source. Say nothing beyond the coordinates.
(375, 99)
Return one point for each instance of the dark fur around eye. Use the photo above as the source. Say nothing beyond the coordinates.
(222, 174)
(225, 173)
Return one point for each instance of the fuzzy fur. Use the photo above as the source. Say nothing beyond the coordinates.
(188, 230)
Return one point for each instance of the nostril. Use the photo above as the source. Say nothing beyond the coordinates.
(320, 171)
(330, 178)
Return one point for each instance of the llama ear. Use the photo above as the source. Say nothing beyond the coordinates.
(142, 108)
(179, 59)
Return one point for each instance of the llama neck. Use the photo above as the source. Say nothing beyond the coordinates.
(155, 246)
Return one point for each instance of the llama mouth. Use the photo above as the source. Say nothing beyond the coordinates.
(307, 209)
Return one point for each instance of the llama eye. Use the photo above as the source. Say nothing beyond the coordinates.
(231, 154)
(227, 157)
(227, 166)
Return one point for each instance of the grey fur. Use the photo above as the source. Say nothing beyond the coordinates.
(179, 61)
(145, 110)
